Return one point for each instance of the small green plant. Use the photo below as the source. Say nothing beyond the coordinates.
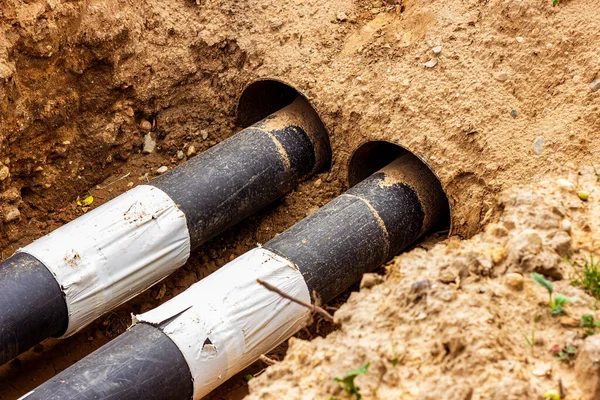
(567, 354)
(248, 377)
(554, 3)
(588, 276)
(557, 301)
(348, 380)
(531, 341)
(587, 321)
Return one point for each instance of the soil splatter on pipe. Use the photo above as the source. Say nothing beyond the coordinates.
(63, 281)
(223, 323)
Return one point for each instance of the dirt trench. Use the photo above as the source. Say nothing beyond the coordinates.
(507, 98)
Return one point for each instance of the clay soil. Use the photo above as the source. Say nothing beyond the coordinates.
(504, 111)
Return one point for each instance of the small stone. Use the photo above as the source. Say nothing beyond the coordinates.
(191, 151)
(145, 125)
(431, 63)
(448, 296)
(520, 39)
(341, 16)
(204, 134)
(595, 85)
(576, 78)
(162, 169)
(584, 195)
(501, 76)
(513, 113)
(514, 281)
(180, 155)
(565, 184)
(370, 280)
(149, 143)
(11, 195)
(318, 183)
(11, 214)
(587, 367)
(565, 225)
(4, 172)
(130, 185)
(437, 49)
(498, 254)
(569, 321)
(561, 242)
(543, 369)
(538, 145)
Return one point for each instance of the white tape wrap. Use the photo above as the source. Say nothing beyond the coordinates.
(226, 321)
(112, 253)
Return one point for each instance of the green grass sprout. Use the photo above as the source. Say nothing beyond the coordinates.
(348, 381)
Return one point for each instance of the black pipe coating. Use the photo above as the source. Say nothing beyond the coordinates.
(364, 227)
(143, 363)
(234, 179)
(353, 234)
(215, 190)
(33, 306)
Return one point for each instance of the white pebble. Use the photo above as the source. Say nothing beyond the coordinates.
(162, 169)
(565, 184)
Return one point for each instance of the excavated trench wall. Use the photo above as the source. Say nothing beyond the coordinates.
(77, 78)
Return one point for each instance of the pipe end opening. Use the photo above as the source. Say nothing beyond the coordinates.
(372, 156)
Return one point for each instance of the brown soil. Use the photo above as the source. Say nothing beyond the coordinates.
(82, 81)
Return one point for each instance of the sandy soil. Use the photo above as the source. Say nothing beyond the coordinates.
(450, 320)
(82, 83)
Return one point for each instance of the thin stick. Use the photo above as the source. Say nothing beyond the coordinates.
(267, 360)
(115, 181)
(312, 307)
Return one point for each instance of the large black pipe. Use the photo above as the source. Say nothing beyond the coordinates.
(214, 190)
(28, 316)
(332, 248)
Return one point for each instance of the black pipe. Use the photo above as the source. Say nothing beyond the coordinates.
(28, 316)
(332, 248)
(214, 190)
(364, 227)
(143, 363)
(246, 172)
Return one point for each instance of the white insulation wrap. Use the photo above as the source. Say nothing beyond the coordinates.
(226, 321)
(114, 252)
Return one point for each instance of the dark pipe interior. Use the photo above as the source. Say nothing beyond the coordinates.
(371, 157)
(261, 99)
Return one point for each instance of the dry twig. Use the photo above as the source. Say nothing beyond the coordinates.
(115, 181)
(312, 307)
(267, 360)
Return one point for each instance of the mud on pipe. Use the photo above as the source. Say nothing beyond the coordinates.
(223, 323)
(61, 282)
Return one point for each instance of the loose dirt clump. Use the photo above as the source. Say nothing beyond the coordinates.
(463, 319)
